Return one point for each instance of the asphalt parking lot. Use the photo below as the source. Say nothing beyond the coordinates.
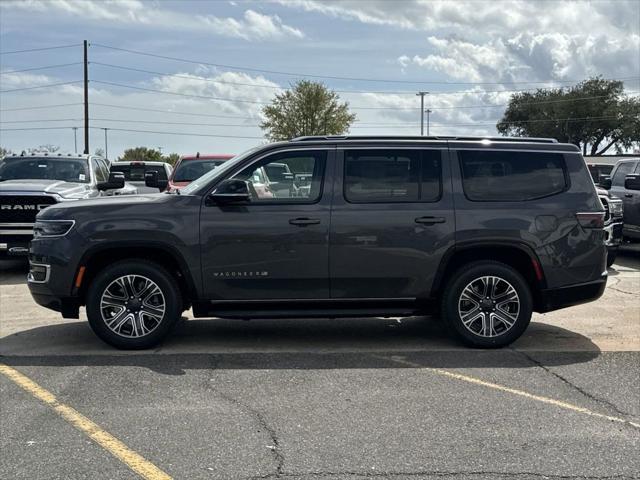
(334, 399)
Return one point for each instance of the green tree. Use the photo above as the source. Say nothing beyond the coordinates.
(141, 154)
(46, 148)
(307, 108)
(595, 115)
(172, 158)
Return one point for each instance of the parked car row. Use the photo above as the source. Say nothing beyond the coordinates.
(30, 183)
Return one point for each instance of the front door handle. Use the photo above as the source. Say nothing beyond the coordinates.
(430, 220)
(303, 222)
(628, 195)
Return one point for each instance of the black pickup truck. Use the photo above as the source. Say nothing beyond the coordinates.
(30, 183)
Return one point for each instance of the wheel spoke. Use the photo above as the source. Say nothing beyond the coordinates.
(489, 306)
(132, 306)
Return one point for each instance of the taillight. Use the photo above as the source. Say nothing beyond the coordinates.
(591, 219)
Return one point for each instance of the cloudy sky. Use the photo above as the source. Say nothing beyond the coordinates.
(208, 67)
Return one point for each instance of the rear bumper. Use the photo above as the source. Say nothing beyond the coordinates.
(557, 298)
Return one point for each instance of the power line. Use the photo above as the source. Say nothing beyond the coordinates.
(38, 107)
(41, 49)
(278, 87)
(9, 72)
(331, 77)
(46, 120)
(40, 86)
(180, 133)
(255, 102)
(171, 111)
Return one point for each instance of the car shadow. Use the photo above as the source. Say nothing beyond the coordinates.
(365, 343)
(13, 271)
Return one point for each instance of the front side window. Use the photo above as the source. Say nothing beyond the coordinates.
(73, 170)
(623, 170)
(100, 173)
(291, 177)
(502, 176)
(392, 175)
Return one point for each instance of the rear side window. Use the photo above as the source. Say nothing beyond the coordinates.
(500, 176)
(392, 175)
(623, 170)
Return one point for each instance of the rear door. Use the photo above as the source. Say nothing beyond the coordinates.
(392, 220)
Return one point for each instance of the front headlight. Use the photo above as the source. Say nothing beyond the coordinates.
(615, 208)
(52, 228)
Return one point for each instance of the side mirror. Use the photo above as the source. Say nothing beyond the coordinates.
(231, 190)
(151, 180)
(605, 182)
(116, 181)
(632, 181)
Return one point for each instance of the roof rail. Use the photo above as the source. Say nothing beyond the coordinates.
(312, 138)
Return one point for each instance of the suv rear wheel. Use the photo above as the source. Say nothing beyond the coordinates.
(133, 304)
(487, 304)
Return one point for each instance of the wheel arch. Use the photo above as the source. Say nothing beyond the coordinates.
(515, 254)
(162, 254)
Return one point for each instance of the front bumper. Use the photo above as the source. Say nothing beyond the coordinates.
(14, 245)
(557, 298)
(613, 233)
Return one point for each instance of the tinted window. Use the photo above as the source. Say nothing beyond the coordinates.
(189, 170)
(373, 176)
(135, 173)
(511, 176)
(292, 177)
(622, 171)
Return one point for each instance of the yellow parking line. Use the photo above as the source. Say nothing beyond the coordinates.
(115, 447)
(514, 391)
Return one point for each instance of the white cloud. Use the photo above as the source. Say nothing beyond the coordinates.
(511, 40)
(252, 26)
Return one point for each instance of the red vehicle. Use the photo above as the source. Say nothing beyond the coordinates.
(190, 167)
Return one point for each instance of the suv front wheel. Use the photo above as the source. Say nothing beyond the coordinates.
(487, 304)
(133, 304)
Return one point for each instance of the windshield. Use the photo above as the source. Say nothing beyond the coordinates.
(189, 170)
(74, 170)
(213, 174)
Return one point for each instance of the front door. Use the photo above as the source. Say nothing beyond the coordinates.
(392, 221)
(276, 245)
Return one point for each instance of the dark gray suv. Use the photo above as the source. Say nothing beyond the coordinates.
(484, 231)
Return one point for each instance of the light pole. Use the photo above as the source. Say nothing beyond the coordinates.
(75, 139)
(106, 144)
(421, 95)
(428, 112)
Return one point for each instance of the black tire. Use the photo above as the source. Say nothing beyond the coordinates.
(470, 275)
(170, 294)
(611, 257)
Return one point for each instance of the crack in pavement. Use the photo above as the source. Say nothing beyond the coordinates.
(613, 287)
(581, 390)
(278, 457)
(440, 473)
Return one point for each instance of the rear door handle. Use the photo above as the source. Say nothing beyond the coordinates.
(430, 220)
(303, 222)
(628, 195)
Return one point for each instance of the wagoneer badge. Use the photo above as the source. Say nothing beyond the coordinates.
(241, 274)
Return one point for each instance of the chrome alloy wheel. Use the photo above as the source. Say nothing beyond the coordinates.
(132, 306)
(489, 306)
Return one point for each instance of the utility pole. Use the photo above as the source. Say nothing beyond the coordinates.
(86, 100)
(421, 95)
(106, 144)
(75, 139)
(428, 112)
